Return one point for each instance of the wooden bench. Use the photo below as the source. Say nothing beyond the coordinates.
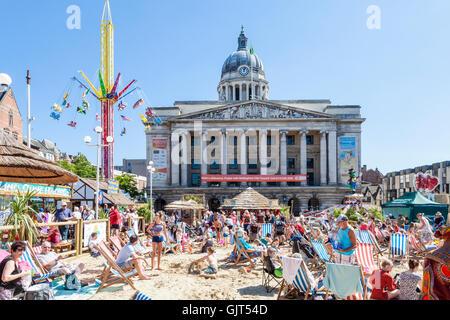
(60, 247)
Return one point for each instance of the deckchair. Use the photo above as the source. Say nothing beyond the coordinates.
(139, 246)
(112, 273)
(302, 283)
(321, 254)
(139, 296)
(364, 257)
(240, 254)
(115, 241)
(419, 247)
(333, 277)
(363, 236)
(398, 245)
(376, 246)
(266, 228)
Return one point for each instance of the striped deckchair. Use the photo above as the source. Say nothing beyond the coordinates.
(364, 257)
(112, 273)
(321, 254)
(266, 228)
(418, 246)
(302, 283)
(398, 245)
(139, 296)
(336, 281)
(240, 254)
(363, 236)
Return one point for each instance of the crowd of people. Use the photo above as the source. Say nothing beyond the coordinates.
(167, 232)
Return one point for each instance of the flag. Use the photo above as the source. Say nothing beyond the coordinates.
(97, 117)
(102, 84)
(252, 51)
(138, 103)
(125, 118)
(144, 119)
(122, 106)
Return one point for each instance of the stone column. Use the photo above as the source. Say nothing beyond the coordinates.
(175, 159)
(283, 156)
(263, 153)
(332, 157)
(247, 86)
(241, 95)
(303, 156)
(204, 157)
(224, 165)
(185, 157)
(323, 158)
(233, 92)
(243, 154)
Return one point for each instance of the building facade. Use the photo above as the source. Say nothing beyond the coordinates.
(244, 133)
(10, 117)
(395, 184)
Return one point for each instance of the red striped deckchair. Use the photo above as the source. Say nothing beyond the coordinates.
(364, 256)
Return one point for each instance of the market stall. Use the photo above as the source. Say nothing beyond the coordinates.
(250, 199)
(191, 211)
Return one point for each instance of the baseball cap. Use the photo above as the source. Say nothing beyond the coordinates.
(63, 204)
(342, 217)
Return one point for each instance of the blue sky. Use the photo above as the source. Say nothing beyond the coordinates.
(310, 49)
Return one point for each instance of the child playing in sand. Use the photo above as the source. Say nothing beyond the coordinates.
(212, 269)
(93, 242)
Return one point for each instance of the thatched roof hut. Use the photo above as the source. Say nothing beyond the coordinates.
(250, 199)
(18, 163)
(190, 204)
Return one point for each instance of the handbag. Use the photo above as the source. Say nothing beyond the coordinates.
(72, 282)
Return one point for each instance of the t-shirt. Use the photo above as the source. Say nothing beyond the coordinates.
(61, 214)
(114, 217)
(49, 257)
(126, 253)
(77, 214)
(407, 284)
(92, 243)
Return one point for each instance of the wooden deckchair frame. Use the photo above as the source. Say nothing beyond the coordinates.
(296, 290)
(242, 251)
(363, 281)
(318, 258)
(108, 278)
(376, 245)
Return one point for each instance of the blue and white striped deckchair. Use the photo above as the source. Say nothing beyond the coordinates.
(398, 245)
(304, 285)
(266, 228)
(321, 253)
(363, 236)
(45, 276)
(139, 296)
(240, 254)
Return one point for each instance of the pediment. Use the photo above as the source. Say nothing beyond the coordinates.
(254, 110)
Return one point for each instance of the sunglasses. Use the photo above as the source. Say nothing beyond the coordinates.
(20, 249)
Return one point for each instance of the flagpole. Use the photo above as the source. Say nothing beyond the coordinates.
(251, 75)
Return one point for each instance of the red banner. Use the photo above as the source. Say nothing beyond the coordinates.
(253, 178)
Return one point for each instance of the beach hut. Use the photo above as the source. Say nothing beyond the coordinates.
(250, 199)
(190, 210)
(412, 203)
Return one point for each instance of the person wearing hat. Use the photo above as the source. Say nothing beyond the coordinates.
(438, 221)
(436, 271)
(63, 215)
(424, 229)
(346, 238)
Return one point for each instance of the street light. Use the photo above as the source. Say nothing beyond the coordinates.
(88, 140)
(151, 170)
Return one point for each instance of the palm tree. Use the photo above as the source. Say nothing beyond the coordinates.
(21, 218)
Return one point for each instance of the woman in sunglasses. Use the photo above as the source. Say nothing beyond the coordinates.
(11, 276)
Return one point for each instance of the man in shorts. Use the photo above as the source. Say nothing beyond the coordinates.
(129, 257)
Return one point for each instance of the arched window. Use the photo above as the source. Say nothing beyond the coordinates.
(314, 204)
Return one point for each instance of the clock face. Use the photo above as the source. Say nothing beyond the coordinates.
(244, 71)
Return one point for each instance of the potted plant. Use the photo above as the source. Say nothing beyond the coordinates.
(21, 218)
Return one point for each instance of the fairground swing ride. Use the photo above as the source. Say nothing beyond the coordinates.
(77, 97)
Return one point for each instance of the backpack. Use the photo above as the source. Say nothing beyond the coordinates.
(298, 246)
(72, 282)
(41, 291)
(279, 227)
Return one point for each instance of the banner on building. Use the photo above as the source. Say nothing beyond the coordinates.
(113, 187)
(347, 157)
(254, 178)
(159, 158)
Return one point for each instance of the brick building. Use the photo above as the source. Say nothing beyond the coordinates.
(10, 117)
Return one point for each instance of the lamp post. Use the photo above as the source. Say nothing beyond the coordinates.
(88, 140)
(151, 170)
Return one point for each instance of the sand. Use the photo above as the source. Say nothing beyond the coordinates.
(175, 283)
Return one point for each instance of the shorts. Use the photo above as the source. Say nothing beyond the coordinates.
(210, 270)
(345, 259)
(127, 264)
(225, 235)
(115, 226)
(158, 239)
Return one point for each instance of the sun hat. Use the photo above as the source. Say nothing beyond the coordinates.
(342, 217)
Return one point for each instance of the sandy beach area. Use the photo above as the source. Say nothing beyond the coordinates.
(175, 282)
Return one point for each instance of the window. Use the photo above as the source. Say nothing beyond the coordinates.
(235, 141)
(6, 131)
(291, 163)
(11, 118)
(309, 140)
(195, 164)
(290, 140)
(252, 164)
(16, 135)
(252, 141)
(213, 140)
(214, 165)
(269, 140)
(233, 164)
(310, 163)
(310, 178)
(196, 181)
